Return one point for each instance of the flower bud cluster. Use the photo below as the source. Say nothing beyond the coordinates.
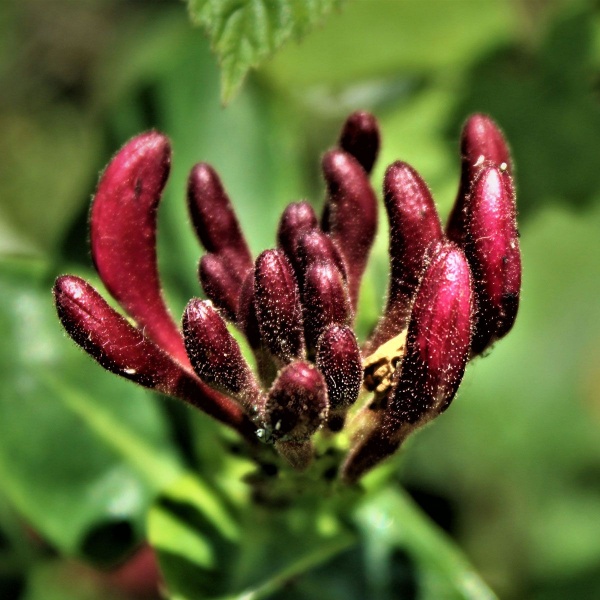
(451, 295)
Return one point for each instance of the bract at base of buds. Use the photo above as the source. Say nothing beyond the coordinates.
(450, 296)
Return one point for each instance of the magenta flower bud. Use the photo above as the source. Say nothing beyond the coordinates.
(297, 219)
(339, 360)
(220, 283)
(123, 236)
(482, 144)
(214, 220)
(277, 304)
(216, 356)
(351, 211)
(437, 349)
(360, 137)
(316, 246)
(492, 248)
(325, 300)
(296, 406)
(123, 349)
(414, 227)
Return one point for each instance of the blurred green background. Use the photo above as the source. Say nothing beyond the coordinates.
(512, 471)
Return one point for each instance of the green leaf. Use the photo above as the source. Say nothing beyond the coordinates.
(82, 452)
(389, 522)
(245, 32)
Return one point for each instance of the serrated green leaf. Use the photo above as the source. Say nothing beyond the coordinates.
(244, 33)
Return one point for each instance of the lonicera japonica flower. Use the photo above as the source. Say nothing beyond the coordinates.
(451, 295)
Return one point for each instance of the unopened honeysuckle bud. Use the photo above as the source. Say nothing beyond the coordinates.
(482, 144)
(325, 300)
(414, 227)
(492, 249)
(351, 213)
(215, 354)
(316, 246)
(220, 284)
(278, 308)
(296, 220)
(296, 405)
(360, 137)
(214, 220)
(247, 321)
(123, 235)
(123, 349)
(339, 360)
(437, 349)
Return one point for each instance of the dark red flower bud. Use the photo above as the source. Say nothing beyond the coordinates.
(220, 282)
(325, 300)
(247, 321)
(214, 219)
(360, 137)
(123, 235)
(277, 304)
(123, 349)
(339, 360)
(492, 248)
(351, 211)
(482, 144)
(296, 406)
(296, 220)
(414, 227)
(316, 246)
(216, 356)
(437, 349)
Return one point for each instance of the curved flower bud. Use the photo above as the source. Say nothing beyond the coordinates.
(123, 236)
(360, 137)
(123, 349)
(220, 282)
(414, 227)
(214, 220)
(351, 211)
(482, 144)
(296, 220)
(316, 246)
(492, 248)
(437, 349)
(277, 304)
(339, 360)
(216, 356)
(325, 300)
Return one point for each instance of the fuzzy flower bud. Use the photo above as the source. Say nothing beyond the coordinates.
(437, 349)
(351, 213)
(360, 137)
(492, 248)
(215, 355)
(278, 308)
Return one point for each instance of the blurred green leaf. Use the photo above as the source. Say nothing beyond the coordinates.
(71, 457)
(391, 522)
(43, 177)
(374, 39)
(194, 537)
(245, 32)
(544, 96)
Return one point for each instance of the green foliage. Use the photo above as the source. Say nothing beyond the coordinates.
(90, 465)
(244, 33)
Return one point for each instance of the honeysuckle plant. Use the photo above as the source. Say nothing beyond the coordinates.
(452, 293)
(315, 389)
